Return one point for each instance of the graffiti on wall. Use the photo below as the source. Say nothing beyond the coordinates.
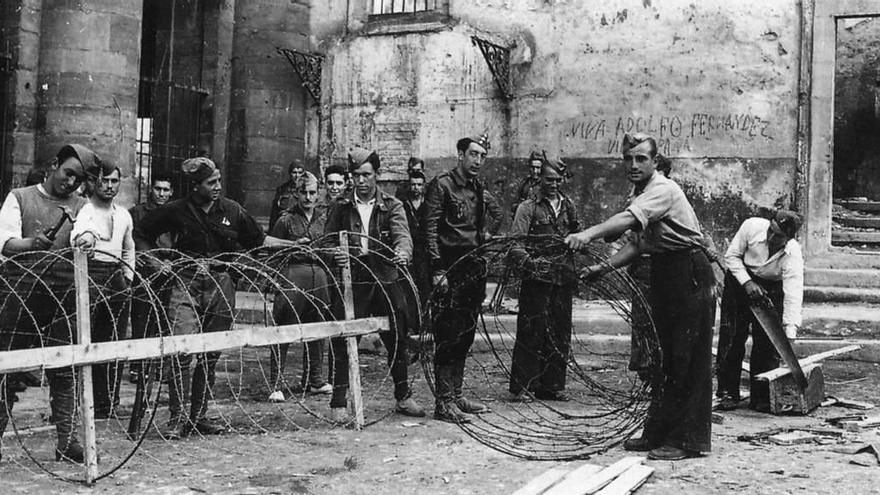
(674, 133)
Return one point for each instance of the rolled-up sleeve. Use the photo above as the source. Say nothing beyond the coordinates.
(651, 205)
(736, 250)
(10, 220)
(792, 284)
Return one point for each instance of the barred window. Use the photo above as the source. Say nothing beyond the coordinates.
(402, 6)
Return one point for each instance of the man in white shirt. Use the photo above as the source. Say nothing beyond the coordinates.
(106, 229)
(763, 261)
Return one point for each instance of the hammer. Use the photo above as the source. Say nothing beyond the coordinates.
(66, 215)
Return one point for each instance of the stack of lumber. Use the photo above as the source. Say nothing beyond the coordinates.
(621, 478)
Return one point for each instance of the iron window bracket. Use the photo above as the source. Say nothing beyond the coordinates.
(498, 59)
(308, 67)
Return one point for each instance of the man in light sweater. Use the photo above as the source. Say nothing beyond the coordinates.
(106, 228)
(763, 260)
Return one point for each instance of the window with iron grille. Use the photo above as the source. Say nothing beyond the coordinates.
(381, 7)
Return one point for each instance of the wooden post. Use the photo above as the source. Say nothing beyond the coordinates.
(354, 370)
(84, 336)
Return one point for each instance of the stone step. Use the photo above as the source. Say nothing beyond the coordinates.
(859, 222)
(842, 277)
(855, 237)
(867, 206)
(841, 294)
(845, 258)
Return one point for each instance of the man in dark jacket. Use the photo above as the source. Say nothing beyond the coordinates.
(285, 193)
(203, 225)
(456, 223)
(379, 243)
(543, 326)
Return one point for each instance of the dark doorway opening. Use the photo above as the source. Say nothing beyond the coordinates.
(856, 186)
(174, 116)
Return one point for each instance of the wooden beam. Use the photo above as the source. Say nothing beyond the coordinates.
(354, 367)
(855, 237)
(815, 358)
(588, 484)
(126, 350)
(629, 481)
(574, 478)
(84, 337)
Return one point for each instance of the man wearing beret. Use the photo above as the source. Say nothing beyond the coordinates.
(457, 222)
(203, 224)
(763, 261)
(682, 302)
(543, 326)
(379, 243)
(43, 317)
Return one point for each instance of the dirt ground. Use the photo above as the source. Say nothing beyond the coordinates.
(283, 449)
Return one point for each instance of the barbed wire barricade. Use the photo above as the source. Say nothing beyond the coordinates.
(249, 299)
(608, 400)
(176, 312)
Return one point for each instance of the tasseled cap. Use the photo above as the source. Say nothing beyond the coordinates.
(481, 140)
(357, 156)
(198, 169)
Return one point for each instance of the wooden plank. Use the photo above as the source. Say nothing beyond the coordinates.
(793, 438)
(84, 337)
(771, 322)
(856, 237)
(859, 222)
(629, 481)
(577, 475)
(870, 422)
(252, 336)
(354, 367)
(587, 484)
(869, 206)
(540, 483)
(815, 358)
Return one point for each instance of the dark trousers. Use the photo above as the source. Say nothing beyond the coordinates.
(455, 321)
(372, 298)
(737, 321)
(44, 316)
(683, 307)
(110, 306)
(150, 296)
(201, 302)
(543, 338)
(307, 300)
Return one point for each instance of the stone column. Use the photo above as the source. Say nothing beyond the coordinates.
(88, 81)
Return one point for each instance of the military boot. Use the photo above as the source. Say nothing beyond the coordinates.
(444, 408)
(465, 405)
(63, 405)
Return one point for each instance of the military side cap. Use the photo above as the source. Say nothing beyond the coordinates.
(198, 169)
(788, 221)
(481, 140)
(88, 158)
(357, 156)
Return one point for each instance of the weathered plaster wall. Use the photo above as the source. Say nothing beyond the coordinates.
(857, 109)
(714, 81)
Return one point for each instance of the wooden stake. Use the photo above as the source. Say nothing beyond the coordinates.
(354, 368)
(84, 336)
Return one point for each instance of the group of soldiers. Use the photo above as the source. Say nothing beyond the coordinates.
(433, 228)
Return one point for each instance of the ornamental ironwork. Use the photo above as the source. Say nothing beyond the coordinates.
(308, 67)
(498, 59)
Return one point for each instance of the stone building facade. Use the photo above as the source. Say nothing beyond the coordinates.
(186, 77)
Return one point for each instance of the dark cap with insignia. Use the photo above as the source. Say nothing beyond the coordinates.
(788, 221)
(481, 140)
